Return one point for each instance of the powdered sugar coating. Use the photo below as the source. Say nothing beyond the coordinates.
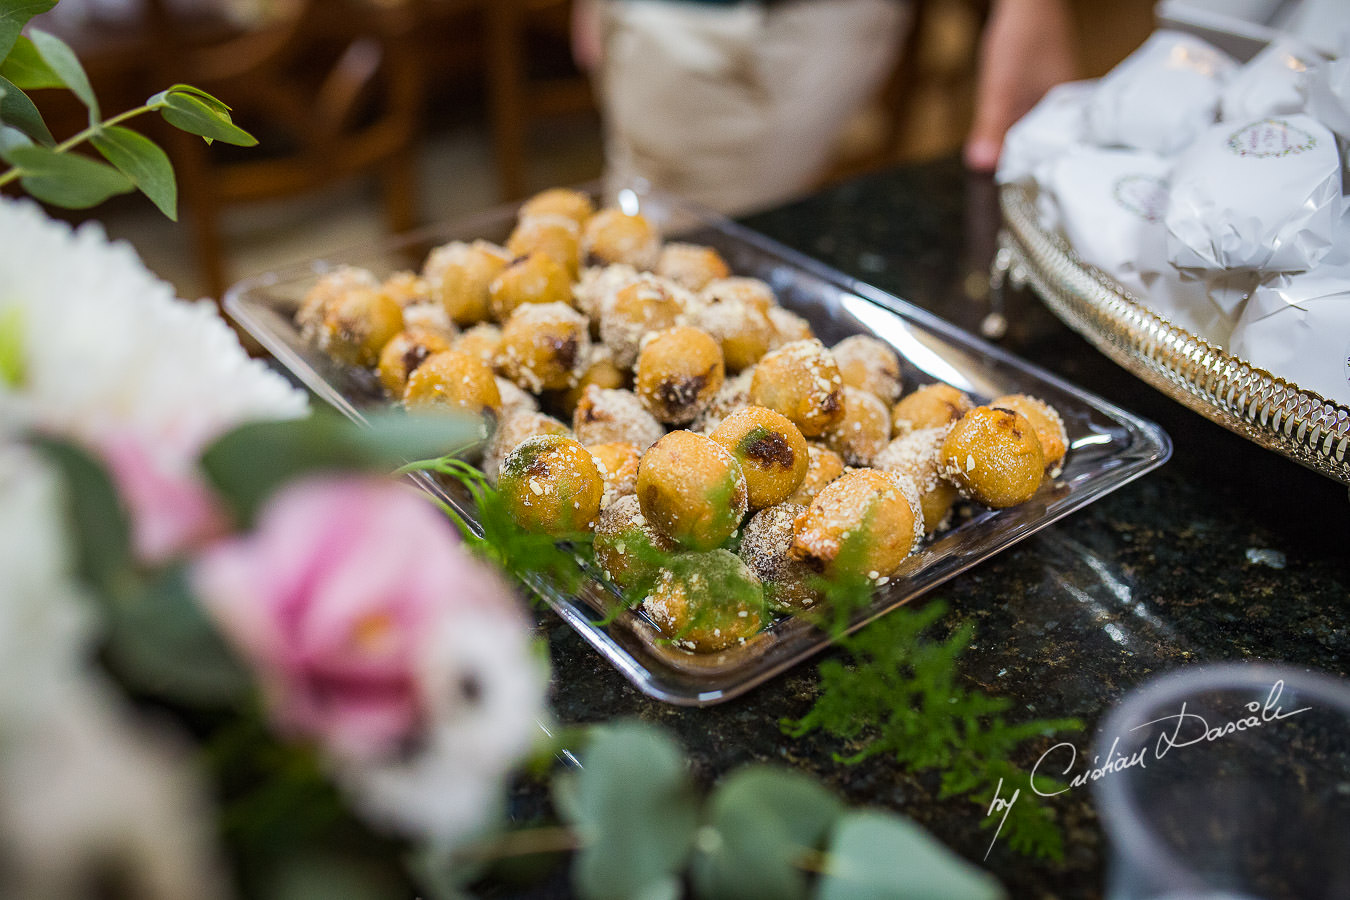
(605, 415)
(789, 583)
(870, 364)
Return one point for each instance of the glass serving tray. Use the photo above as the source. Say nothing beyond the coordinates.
(1109, 446)
(1267, 410)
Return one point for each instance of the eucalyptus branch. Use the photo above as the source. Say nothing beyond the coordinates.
(528, 842)
(16, 172)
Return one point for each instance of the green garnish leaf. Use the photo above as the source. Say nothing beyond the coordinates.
(194, 114)
(62, 62)
(14, 14)
(763, 821)
(66, 179)
(13, 356)
(26, 68)
(141, 160)
(17, 111)
(879, 855)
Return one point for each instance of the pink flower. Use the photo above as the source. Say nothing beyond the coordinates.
(171, 508)
(336, 599)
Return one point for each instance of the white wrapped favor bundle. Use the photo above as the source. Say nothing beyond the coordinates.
(1298, 326)
(1260, 196)
(1162, 96)
(1056, 125)
(1274, 83)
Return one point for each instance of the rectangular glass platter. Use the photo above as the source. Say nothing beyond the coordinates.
(1108, 446)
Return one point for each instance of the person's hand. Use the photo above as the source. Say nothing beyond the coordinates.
(1026, 49)
(588, 49)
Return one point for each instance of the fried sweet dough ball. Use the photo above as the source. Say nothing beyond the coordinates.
(542, 344)
(575, 205)
(993, 456)
(740, 289)
(618, 465)
(679, 370)
(403, 353)
(606, 415)
(733, 395)
(801, 381)
(514, 399)
(863, 524)
(551, 485)
(328, 288)
(483, 341)
(823, 465)
(691, 265)
(870, 364)
(600, 371)
(788, 327)
(349, 319)
(789, 583)
(457, 276)
(510, 431)
(863, 430)
(625, 544)
(692, 490)
(770, 449)
(635, 311)
(613, 236)
(406, 288)
(554, 236)
(1047, 422)
(917, 456)
(741, 328)
(537, 278)
(451, 380)
(706, 602)
(928, 407)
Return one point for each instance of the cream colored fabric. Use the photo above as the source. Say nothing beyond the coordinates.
(738, 106)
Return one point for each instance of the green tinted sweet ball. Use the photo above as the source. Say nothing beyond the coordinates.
(692, 490)
(706, 602)
(551, 485)
(770, 449)
(627, 548)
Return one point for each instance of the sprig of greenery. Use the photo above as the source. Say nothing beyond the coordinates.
(48, 170)
(900, 695)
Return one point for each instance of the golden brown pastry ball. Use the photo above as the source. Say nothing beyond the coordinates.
(575, 205)
(863, 430)
(740, 289)
(870, 364)
(599, 371)
(917, 456)
(613, 414)
(706, 602)
(679, 370)
(457, 275)
(352, 322)
(511, 429)
(993, 456)
(551, 485)
(627, 548)
(483, 341)
(789, 583)
(1047, 422)
(557, 237)
(691, 265)
(403, 353)
(451, 380)
(734, 394)
(597, 285)
(636, 310)
(542, 343)
(788, 327)
(326, 289)
(742, 329)
(537, 278)
(770, 449)
(613, 236)
(406, 288)
(863, 524)
(929, 406)
(801, 381)
(618, 465)
(429, 315)
(692, 490)
(514, 399)
(823, 465)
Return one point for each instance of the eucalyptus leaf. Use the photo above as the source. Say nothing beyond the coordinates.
(65, 179)
(209, 99)
(99, 523)
(65, 65)
(250, 462)
(17, 111)
(11, 138)
(636, 811)
(26, 68)
(14, 14)
(880, 856)
(762, 821)
(192, 114)
(314, 877)
(141, 160)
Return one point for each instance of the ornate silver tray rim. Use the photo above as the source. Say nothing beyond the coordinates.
(1268, 410)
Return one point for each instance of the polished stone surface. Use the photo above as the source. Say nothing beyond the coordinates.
(1165, 572)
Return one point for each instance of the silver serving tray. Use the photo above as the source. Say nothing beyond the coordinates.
(1268, 410)
(1109, 446)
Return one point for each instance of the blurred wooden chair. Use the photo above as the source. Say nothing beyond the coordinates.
(331, 90)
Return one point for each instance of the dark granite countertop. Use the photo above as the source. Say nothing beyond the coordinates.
(1155, 576)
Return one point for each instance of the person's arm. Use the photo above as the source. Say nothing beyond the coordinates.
(1026, 49)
